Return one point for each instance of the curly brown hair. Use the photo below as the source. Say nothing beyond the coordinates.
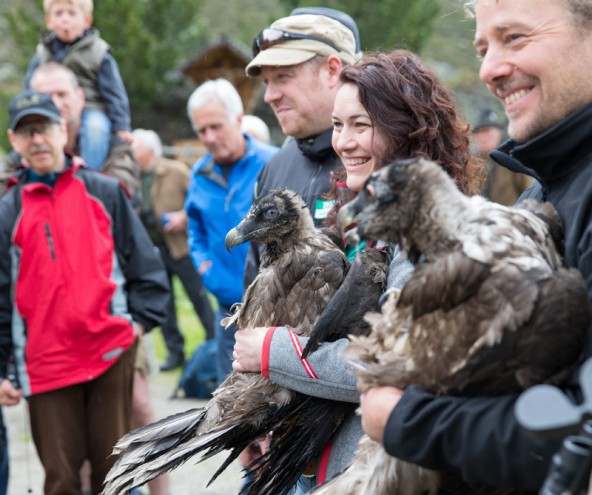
(417, 115)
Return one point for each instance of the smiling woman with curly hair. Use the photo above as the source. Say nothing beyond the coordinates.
(412, 112)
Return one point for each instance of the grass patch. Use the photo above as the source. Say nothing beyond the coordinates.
(189, 324)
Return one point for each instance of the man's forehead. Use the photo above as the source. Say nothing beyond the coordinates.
(52, 83)
(55, 89)
(32, 119)
(211, 113)
(202, 122)
(489, 28)
(270, 72)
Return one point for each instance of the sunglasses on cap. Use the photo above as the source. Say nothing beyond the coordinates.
(272, 36)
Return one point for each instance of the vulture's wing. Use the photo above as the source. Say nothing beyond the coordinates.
(440, 341)
(358, 294)
(519, 361)
(443, 284)
(304, 282)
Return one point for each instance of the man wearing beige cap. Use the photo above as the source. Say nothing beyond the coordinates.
(299, 59)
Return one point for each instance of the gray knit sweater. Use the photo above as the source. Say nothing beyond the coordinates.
(334, 375)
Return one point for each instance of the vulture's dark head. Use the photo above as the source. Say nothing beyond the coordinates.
(388, 206)
(276, 217)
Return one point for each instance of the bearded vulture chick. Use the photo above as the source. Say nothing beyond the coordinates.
(307, 422)
(489, 309)
(300, 271)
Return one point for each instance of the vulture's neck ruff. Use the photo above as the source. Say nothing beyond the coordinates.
(416, 204)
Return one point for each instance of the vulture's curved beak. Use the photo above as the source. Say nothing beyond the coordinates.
(233, 238)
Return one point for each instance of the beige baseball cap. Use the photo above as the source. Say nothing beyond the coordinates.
(295, 39)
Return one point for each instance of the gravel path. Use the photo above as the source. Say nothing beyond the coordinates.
(190, 479)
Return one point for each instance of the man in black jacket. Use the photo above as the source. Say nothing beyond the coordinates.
(299, 58)
(537, 59)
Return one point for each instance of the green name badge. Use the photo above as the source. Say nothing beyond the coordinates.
(322, 208)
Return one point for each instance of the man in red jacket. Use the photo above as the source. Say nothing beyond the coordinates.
(79, 281)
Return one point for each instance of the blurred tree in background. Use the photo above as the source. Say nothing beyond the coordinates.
(387, 24)
(149, 40)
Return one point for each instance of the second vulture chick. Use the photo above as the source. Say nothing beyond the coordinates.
(489, 309)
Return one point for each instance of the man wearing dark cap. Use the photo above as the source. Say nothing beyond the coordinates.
(61, 84)
(79, 281)
(501, 185)
(300, 58)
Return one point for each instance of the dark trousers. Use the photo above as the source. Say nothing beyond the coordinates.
(191, 281)
(79, 422)
(3, 456)
(225, 338)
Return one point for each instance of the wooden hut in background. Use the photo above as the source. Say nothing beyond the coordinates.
(228, 59)
(221, 58)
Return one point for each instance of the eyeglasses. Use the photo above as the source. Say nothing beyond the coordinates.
(41, 128)
(272, 36)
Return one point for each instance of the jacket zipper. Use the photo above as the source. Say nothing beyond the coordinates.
(308, 198)
(50, 241)
(229, 198)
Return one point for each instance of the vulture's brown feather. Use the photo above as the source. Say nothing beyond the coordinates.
(489, 309)
(300, 271)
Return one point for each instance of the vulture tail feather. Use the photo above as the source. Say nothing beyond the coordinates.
(168, 427)
(231, 457)
(295, 443)
(132, 471)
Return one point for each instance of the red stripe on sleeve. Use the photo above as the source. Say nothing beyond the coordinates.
(324, 463)
(265, 352)
(298, 348)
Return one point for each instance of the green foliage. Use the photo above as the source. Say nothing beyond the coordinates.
(24, 22)
(149, 39)
(387, 24)
(230, 17)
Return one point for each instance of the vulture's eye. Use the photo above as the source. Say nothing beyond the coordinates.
(271, 214)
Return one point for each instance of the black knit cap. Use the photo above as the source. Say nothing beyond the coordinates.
(488, 118)
(337, 15)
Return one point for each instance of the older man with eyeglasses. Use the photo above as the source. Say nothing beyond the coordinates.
(79, 281)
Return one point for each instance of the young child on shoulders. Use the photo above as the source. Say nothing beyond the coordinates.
(73, 42)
